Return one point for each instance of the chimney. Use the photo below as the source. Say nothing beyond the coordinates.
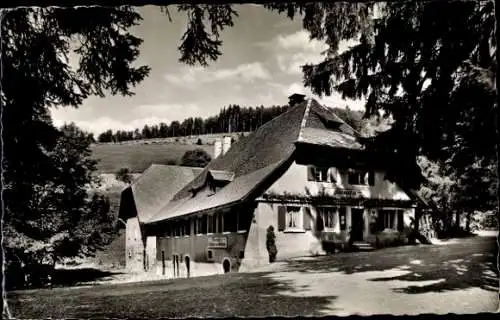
(217, 148)
(226, 144)
(296, 98)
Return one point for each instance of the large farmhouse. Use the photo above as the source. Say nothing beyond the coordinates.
(305, 173)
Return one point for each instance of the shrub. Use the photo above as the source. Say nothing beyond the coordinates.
(199, 142)
(328, 246)
(171, 162)
(271, 244)
(195, 158)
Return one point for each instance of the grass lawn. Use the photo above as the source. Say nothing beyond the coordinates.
(216, 296)
(138, 157)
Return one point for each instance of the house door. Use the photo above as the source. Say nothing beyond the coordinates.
(357, 224)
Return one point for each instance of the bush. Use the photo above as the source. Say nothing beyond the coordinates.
(484, 221)
(271, 244)
(328, 246)
(195, 158)
(199, 142)
(171, 162)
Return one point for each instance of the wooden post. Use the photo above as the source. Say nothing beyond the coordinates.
(177, 264)
(173, 263)
(163, 262)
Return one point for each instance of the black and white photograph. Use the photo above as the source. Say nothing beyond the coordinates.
(267, 159)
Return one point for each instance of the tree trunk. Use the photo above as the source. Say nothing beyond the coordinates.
(467, 223)
(418, 215)
(457, 220)
(497, 16)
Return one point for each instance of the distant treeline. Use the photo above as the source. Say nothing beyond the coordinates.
(230, 119)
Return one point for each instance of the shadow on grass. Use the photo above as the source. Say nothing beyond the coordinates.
(467, 264)
(217, 296)
(476, 270)
(79, 276)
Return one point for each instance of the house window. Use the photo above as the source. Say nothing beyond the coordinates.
(181, 227)
(329, 215)
(220, 219)
(319, 174)
(400, 220)
(290, 218)
(211, 224)
(342, 218)
(230, 221)
(214, 223)
(175, 229)
(355, 177)
(187, 227)
(386, 219)
(200, 225)
(359, 177)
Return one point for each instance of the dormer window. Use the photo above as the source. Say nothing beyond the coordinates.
(360, 177)
(321, 174)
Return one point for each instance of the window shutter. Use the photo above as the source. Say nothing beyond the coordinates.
(380, 220)
(333, 174)
(400, 220)
(307, 218)
(281, 218)
(371, 178)
(310, 173)
(320, 224)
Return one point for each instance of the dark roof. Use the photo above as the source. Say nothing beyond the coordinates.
(297, 95)
(329, 138)
(252, 160)
(321, 126)
(157, 185)
(320, 116)
(272, 142)
(234, 192)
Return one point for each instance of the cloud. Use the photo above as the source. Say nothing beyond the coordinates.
(134, 118)
(166, 110)
(292, 63)
(297, 41)
(295, 50)
(189, 77)
(300, 41)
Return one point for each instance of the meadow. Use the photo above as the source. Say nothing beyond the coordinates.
(138, 157)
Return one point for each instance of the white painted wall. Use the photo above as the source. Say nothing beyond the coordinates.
(295, 181)
(150, 253)
(134, 247)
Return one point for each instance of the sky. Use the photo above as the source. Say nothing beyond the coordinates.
(260, 65)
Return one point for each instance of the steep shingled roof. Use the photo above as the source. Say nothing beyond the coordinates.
(318, 129)
(157, 185)
(254, 158)
(250, 159)
(234, 192)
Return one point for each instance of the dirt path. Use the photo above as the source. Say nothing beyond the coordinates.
(459, 277)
